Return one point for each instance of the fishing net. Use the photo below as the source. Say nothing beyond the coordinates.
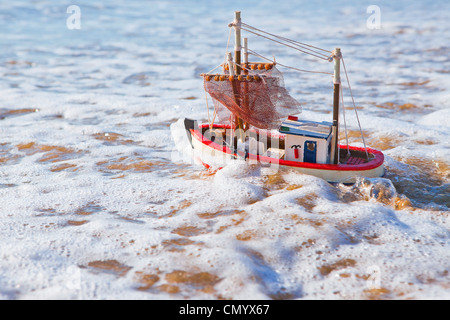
(259, 97)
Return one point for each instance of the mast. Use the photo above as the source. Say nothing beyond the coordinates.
(237, 60)
(245, 72)
(245, 51)
(237, 46)
(334, 156)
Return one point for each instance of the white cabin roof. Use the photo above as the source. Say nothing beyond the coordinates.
(293, 125)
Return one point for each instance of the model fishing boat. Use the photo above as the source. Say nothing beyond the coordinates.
(259, 121)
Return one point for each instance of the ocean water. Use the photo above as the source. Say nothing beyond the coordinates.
(97, 203)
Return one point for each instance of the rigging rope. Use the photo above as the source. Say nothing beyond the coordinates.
(345, 122)
(354, 107)
(228, 42)
(302, 47)
(301, 44)
(214, 69)
(283, 65)
(287, 45)
(211, 123)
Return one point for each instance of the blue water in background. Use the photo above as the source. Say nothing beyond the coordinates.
(36, 31)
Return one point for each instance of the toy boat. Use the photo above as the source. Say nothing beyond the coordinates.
(260, 121)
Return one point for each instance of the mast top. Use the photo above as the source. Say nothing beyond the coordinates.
(237, 20)
(337, 56)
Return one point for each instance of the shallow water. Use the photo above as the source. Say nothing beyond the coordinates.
(98, 204)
